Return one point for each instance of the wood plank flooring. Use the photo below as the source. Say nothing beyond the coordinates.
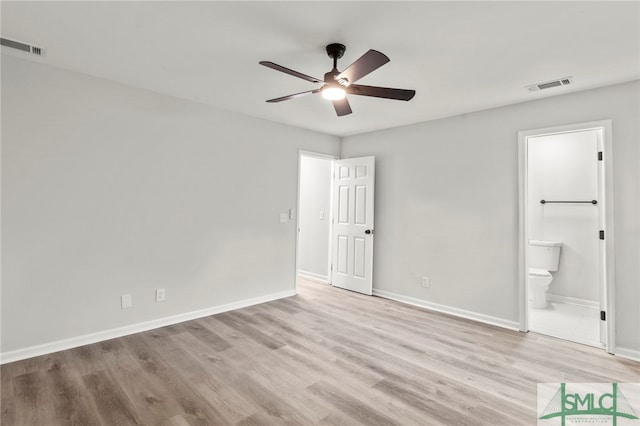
(324, 357)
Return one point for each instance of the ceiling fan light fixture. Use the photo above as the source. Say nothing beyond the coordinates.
(337, 84)
(333, 93)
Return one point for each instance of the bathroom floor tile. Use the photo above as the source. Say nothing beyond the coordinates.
(565, 321)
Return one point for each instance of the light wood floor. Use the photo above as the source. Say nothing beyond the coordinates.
(326, 356)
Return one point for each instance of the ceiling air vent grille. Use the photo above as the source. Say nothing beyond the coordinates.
(35, 50)
(549, 84)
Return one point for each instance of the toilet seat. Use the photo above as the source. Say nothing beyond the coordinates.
(536, 272)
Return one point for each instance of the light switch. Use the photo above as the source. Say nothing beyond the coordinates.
(284, 217)
(291, 214)
(126, 301)
(321, 215)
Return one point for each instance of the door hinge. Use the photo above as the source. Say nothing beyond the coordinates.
(332, 267)
(602, 235)
(603, 316)
(599, 155)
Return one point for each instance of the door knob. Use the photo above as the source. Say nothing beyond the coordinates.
(368, 231)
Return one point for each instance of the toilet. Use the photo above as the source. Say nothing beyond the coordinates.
(543, 259)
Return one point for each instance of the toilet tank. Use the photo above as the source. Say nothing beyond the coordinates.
(544, 254)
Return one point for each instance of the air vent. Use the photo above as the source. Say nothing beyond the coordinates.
(549, 84)
(35, 50)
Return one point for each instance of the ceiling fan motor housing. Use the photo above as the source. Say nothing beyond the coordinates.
(330, 77)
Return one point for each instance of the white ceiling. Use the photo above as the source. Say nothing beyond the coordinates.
(458, 56)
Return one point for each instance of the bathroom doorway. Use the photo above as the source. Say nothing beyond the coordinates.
(565, 233)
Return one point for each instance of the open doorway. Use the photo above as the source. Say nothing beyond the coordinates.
(315, 183)
(335, 221)
(566, 233)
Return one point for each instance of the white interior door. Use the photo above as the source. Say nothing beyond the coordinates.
(353, 191)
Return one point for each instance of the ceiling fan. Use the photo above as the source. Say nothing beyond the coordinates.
(338, 84)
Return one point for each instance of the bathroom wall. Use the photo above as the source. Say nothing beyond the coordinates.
(563, 168)
(315, 217)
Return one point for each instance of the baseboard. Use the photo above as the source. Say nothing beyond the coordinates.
(60, 345)
(487, 319)
(313, 276)
(573, 301)
(631, 354)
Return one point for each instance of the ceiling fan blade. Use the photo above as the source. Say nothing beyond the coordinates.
(381, 92)
(295, 95)
(342, 107)
(370, 61)
(290, 72)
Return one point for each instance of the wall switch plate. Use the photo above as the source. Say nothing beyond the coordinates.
(126, 301)
(426, 282)
(284, 217)
(291, 214)
(159, 294)
(321, 215)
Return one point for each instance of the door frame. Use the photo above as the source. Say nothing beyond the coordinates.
(332, 158)
(605, 188)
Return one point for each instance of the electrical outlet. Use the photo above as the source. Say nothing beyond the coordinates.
(284, 217)
(126, 301)
(426, 282)
(159, 294)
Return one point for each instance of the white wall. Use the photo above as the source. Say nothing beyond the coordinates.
(447, 203)
(565, 167)
(108, 189)
(314, 217)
